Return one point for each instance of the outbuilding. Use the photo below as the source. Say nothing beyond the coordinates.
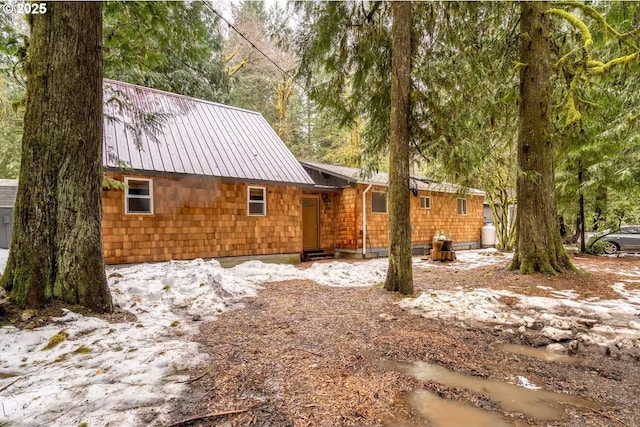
(8, 191)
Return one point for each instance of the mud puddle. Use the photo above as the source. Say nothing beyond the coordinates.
(539, 404)
(450, 413)
(538, 353)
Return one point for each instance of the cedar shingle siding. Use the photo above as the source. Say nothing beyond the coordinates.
(196, 217)
(442, 214)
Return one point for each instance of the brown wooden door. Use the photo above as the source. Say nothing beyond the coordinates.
(310, 224)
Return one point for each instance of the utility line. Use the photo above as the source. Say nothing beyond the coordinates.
(293, 79)
(254, 46)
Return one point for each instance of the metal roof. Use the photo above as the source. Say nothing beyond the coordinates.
(151, 130)
(382, 178)
(8, 192)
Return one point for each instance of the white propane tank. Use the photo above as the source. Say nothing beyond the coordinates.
(488, 236)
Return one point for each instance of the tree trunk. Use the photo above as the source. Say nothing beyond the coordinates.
(539, 245)
(563, 227)
(56, 248)
(284, 90)
(581, 230)
(400, 274)
(499, 203)
(600, 207)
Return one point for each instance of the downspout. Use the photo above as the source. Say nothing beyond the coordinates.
(364, 221)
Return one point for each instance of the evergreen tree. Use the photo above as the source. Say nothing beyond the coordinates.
(345, 56)
(12, 51)
(11, 114)
(56, 246)
(172, 46)
(263, 69)
(351, 44)
(400, 273)
(539, 246)
(465, 120)
(597, 130)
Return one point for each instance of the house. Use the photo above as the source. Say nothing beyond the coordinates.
(206, 180)
(202, 180)
(8, 192)
(354, 220)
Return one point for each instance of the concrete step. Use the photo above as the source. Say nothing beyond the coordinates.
(316, 254)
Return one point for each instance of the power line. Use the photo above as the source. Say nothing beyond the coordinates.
(253, 45)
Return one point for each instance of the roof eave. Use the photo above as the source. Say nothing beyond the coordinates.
(211, 177)
(330, 172)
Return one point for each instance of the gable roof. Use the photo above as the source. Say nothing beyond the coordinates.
(8, 192)
(151, 130)
(354, 175)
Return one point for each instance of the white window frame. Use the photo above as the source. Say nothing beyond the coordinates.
(386, 203)
(464, 206)
(263, 202)
(128, 196)
(425, 198)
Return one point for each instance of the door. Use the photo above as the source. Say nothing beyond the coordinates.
(310, 223)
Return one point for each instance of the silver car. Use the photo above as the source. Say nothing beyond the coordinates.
(627, 239)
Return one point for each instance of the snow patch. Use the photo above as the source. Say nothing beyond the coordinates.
(132, 373)
(467, 260)
(114, 374)
(524, 382)
(565, 316)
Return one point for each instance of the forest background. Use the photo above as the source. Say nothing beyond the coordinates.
(322, 89)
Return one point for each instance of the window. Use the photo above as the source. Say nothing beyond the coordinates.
(378, 202)
(138, 196)
(462, 206)
(257, 201)
(425, 202)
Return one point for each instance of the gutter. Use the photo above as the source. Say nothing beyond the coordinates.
(364, 221)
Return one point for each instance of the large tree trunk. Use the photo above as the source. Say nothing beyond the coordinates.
(56, 248)
(400, 274)
(539, 245)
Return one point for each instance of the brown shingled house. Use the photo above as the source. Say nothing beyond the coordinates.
(213, 181)
(345, 226)
(203, 180)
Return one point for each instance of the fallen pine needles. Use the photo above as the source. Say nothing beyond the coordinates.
(212, 415)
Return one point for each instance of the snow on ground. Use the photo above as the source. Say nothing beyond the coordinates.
(111, 373)
(467, 260)
(612, 324)
(131, 373)
(114, 374)
(334, 273)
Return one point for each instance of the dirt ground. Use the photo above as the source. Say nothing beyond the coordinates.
(300, 354)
